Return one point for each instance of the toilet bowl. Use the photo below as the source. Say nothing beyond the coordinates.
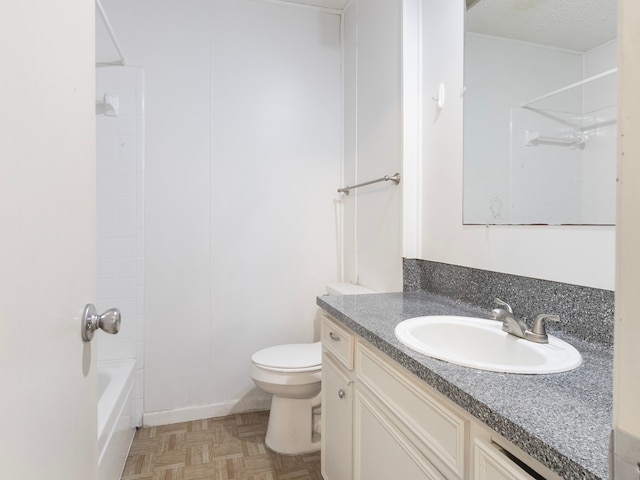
(291, 373)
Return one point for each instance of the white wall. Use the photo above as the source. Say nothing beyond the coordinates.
(373, 143)
(276, 164)
(242, 161)
(577, 255)
(120, 216)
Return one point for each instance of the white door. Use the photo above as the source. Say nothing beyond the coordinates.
(47, 239)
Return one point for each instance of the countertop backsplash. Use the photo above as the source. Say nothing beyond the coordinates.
(585, 312)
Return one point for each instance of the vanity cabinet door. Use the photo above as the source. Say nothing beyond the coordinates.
(491, 464)
(438, 432)
(381, 451)
(337, 420)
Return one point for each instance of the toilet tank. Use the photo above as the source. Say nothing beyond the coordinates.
(345, 288)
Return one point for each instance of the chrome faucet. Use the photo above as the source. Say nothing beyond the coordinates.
(510, 323)
(538, 333)
(515, 326)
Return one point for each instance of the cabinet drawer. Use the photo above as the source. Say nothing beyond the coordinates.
(439, 429)
(338, 341)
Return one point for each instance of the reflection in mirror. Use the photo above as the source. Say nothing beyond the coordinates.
(540, 112)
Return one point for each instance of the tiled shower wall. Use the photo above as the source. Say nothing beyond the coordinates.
(120, 194)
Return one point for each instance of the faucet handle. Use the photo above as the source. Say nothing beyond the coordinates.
(538, 331)
(504, 304)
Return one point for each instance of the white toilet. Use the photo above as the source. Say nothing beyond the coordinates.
(292, 374)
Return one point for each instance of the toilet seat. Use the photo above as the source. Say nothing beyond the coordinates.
(290, 358)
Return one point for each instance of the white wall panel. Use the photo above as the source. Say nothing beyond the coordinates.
(349, 138)
(171, 41)
(376, 131)
(243, 159)
(275, 167)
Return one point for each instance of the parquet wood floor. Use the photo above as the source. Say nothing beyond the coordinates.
(225, 448)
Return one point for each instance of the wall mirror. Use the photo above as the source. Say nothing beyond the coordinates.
(540, 112)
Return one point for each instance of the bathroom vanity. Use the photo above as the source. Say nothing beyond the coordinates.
(389, 412)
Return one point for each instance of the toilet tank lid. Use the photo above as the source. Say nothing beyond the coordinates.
(290, 356)
(346, 288)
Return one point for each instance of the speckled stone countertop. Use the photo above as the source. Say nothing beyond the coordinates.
(563, 420)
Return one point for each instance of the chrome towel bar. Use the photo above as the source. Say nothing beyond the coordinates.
(395, 178)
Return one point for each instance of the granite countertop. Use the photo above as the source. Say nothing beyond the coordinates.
(563, 419)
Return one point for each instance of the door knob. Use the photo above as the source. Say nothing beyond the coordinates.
(109, 321)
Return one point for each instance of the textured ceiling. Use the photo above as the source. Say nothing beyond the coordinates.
(335, 4)
(579, 25)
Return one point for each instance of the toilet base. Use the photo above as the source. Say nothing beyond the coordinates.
(290, 428)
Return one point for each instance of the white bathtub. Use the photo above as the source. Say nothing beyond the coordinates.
(115, 420)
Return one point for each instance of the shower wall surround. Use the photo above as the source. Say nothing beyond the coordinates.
(120, 245)
(585, 312)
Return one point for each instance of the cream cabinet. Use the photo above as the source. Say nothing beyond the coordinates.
(437, 432)
(494, 458)
(337, 341)
(337, 421)
(379, 422)
(337, 401)
(381, 450)
(490, 464)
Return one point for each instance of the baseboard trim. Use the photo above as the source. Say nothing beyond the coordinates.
(167, 417)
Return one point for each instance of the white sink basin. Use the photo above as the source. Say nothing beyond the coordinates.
(481, 343)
